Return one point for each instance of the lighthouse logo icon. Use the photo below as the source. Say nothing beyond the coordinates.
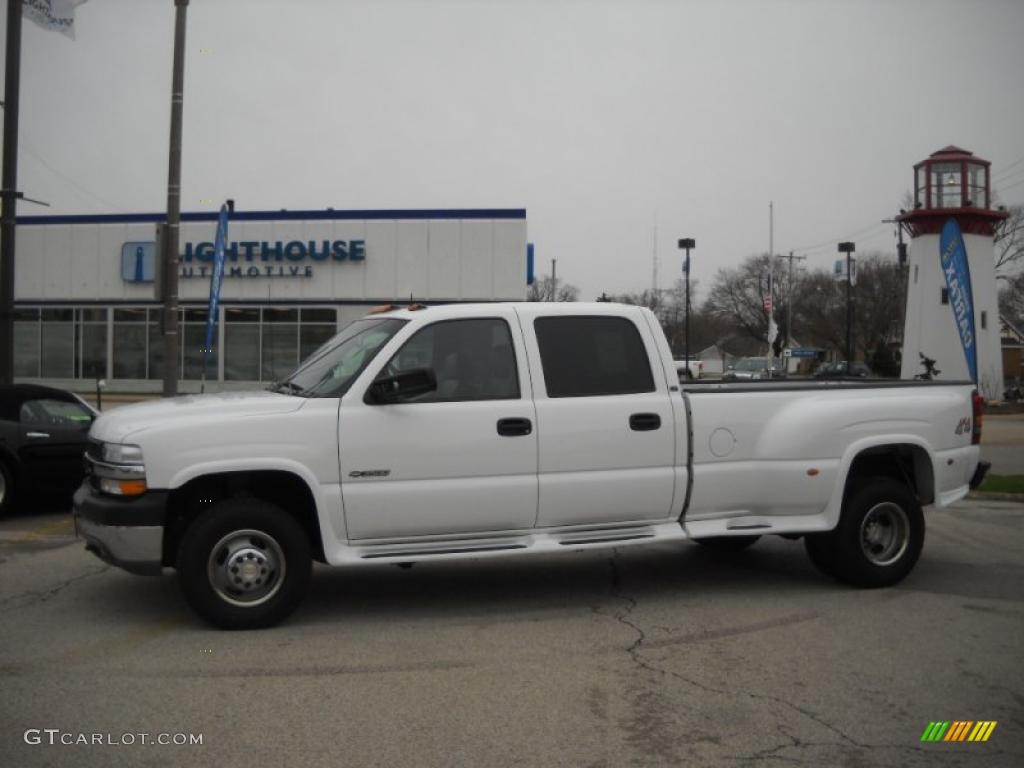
(138, 262)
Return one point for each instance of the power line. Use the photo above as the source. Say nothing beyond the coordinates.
(1006, 168)
(834, 241)
(66, 178)
(1016, 184)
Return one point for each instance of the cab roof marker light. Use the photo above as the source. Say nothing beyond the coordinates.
(381, 308)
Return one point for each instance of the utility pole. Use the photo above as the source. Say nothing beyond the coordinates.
(789, 300)
(9, 192)
(686, 244)
(170, 243)
(554, 280)
(771, 285)
(848, 248)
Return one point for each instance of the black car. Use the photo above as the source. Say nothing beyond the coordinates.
(43, 436)
(838, 371)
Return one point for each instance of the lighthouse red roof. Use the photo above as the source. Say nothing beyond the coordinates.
(952, 152)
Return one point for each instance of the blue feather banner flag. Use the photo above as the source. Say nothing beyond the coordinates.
(215, 282)
(953, 255)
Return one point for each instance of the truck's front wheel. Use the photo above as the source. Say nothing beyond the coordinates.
(880, 534)
(245, 564)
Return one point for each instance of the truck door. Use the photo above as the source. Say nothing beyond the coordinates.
(461, 459)
(606, 426)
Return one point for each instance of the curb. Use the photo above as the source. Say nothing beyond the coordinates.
(994, 496)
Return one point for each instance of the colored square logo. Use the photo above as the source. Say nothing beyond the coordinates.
(138, 262)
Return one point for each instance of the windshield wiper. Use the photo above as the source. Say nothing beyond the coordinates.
(286, 387)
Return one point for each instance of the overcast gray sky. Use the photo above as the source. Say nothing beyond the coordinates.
(597, 117)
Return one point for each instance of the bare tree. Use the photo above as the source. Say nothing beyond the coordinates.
(737, 295)
(1009, 241)
(1011, 300)
(545, 289)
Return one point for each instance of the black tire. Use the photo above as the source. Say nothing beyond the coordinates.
(821, 549)
(728, 543)
(6, 489)
(880, 534)
(245, 564)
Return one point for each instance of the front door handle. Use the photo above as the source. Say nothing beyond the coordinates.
(644, 422)
(514, 427)
(37, 434)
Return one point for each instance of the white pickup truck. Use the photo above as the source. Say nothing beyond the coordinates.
(462, 431)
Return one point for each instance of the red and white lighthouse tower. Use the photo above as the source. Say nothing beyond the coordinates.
(952, 309)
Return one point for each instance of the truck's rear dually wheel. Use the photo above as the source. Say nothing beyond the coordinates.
(879, 536)
(244, 564)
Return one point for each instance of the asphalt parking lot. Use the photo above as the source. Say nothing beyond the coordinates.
(665, 656)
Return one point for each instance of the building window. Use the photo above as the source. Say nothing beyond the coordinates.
(944, 295)
(193, 339)
(259, 344)
(26, 342)
(984, 319)
(280, 348)
(241, 344)
(130, 342)
(57, 343)
(977, 185)
(316, 327)
(947, 191)
(91, 327)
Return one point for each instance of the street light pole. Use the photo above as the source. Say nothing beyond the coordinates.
(848, 248)
(9, 194)
(687, 243)
(169, 247)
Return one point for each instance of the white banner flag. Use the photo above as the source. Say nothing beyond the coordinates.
(53, 14)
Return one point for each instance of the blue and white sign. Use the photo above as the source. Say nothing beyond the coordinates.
(215, 282)
(839, 271)
(138, 262)
(953, 256)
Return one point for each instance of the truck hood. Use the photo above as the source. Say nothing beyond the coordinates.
(117, 425)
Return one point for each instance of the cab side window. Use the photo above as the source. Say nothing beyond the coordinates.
(472, 360)
(592, 356)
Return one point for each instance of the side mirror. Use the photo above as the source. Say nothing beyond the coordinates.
(401, 386)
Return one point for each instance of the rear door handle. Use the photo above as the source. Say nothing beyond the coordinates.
(37, 434)
(514, 427)
(644, 422)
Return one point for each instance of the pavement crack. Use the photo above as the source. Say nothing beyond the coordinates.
(636, 649)
(10, 603)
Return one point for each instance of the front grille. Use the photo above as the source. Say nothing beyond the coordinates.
(94, 451)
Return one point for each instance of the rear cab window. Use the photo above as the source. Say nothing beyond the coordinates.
(590, 356)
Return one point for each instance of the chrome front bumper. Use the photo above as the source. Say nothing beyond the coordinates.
(125, 533)
(136, 548)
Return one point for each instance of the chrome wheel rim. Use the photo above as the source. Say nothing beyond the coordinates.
(246, 568)
(885, 533)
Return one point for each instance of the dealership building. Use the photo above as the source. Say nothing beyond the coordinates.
(85, 307)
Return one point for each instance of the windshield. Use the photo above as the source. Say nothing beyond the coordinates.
(330, 371)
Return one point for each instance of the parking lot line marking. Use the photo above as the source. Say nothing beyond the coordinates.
(59, 527)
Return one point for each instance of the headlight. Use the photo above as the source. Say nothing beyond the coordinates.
(116, 453)
(120, 470)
